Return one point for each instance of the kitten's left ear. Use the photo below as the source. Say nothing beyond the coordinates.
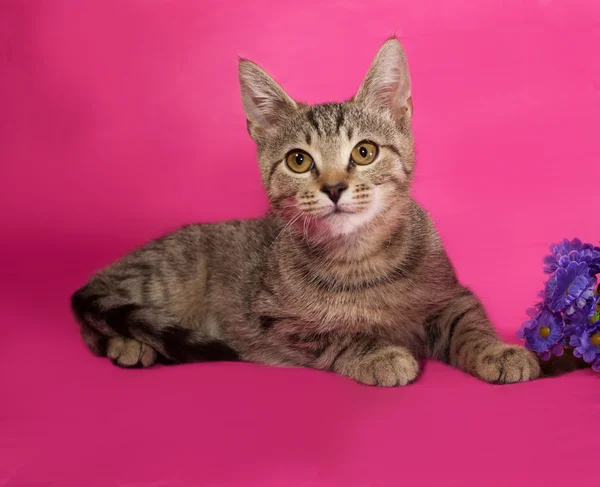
(265, 103)
(387, 84)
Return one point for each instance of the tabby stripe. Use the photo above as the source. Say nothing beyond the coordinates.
(395, 150)
(403, 270)
(339, 120)
(369, 345)
(452, 330)
(274, 167)
(392, 148)
(434, 331)
(311, 118)
(267, 322)
(180, 346)
(119, 318)
(340, 353)
(328, 285)
(468, 337)
(413, 259)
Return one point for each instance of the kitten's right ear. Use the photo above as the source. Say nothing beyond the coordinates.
(265, 102)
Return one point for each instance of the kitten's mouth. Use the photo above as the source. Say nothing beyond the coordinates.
(337, 216)
(336, 213)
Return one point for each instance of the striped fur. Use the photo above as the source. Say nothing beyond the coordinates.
(361, 287)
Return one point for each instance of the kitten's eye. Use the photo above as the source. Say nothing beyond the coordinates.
(364, 153)
(299, 161)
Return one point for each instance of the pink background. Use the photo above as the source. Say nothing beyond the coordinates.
(120, 120)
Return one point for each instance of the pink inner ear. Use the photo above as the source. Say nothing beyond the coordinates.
(387, 83)
(405, 109)
(271, 110)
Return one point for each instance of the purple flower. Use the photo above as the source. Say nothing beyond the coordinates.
(582, 311)
(569, 285)
(567, 251)
(578, 319)
(543, 333)
(587, 344)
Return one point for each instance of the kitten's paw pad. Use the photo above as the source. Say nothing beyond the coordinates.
(388, 367)
(508, 364)
(126, 352)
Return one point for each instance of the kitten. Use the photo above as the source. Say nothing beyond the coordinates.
(346, 272)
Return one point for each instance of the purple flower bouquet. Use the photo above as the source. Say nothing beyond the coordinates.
(568, 315)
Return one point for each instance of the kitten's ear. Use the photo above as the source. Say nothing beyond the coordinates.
(265, 102)
(387, 84)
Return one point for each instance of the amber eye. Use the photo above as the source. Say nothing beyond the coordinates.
(299, 161)
(364, 153)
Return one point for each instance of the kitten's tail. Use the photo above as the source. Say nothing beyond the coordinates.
(567, 362)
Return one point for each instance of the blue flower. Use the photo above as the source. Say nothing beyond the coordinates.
(582, 311)
(578, 319)
(587, 344)
(543, 333)
(567, 251)
(569, 312)
(569, 285)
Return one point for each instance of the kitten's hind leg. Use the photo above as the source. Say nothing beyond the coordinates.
(462, 335)
(127, 352)
(149, 306)
(124, 352)
(135, 335)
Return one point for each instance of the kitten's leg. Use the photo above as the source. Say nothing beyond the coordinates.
(375, 362)
(149, 306)
(128, 352)
(131, 333)
(125, 352)
(462, 335)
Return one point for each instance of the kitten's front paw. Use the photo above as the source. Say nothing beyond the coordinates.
(387, 367)
(506, 364)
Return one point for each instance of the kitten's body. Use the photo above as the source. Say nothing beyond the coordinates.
(346, 272)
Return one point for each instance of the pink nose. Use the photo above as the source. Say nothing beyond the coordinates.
(334, 191)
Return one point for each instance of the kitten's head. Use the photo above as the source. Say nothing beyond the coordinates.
(334, 168)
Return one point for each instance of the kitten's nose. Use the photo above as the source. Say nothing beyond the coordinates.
(334, 191)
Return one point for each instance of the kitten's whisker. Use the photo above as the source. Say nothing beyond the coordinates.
(304, 230)
(285, 227)
(305, 233)
(293, 240)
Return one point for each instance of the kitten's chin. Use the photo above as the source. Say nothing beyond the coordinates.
(344, 223)
(339, 223)
(348, 223)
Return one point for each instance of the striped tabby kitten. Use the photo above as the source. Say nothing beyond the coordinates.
(346, 273)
